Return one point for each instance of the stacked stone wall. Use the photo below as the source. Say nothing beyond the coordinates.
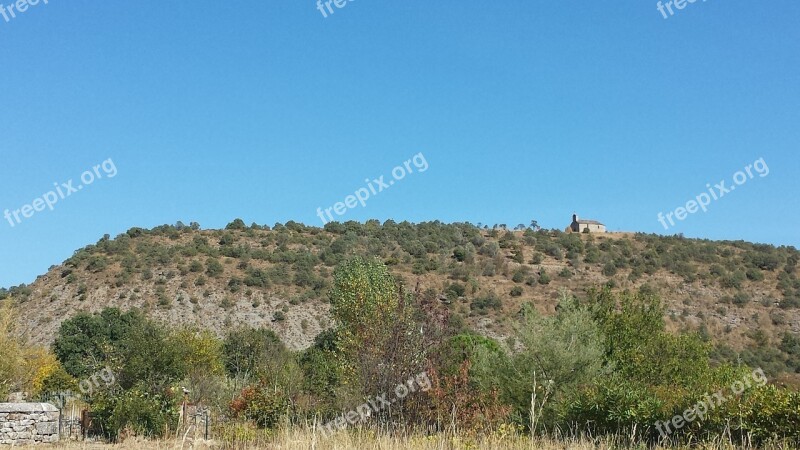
(28, 423)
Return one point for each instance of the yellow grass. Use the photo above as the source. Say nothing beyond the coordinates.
(298, 438)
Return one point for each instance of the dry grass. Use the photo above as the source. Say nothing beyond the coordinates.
(300, 438)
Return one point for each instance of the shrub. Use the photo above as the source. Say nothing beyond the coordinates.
(214, 267)
(264, 405)
(754, 274)
(519, 275)
(559, 353)
(253, 353)
(741, 299)
(455, 290)
(485, 302)
(257, 278)
(136, 410)
(732, 280)
(97, 264)
(764, 260)
(237, 224)
(554, 250)
(544, 278)
(490, 249)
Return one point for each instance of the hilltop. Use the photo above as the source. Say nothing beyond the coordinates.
(743, 298)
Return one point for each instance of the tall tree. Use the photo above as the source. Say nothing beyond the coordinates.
(378, 338)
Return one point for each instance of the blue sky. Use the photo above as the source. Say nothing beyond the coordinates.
(266, 110)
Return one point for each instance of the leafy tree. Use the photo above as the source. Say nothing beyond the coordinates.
(468, 346)
(13, 354)
(322, 372)
(639, 345)
(376, 332)
(53, 379)
(237, 224)
(201, 353)
(86, 342)
(149, 356)
(253, 353)
(560, 354)
(145, 359)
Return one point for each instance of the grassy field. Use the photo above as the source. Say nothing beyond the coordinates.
(297, 439)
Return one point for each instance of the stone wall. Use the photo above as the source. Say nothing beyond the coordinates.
(28, 423)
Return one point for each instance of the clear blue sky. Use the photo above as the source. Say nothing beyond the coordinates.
(265, 110)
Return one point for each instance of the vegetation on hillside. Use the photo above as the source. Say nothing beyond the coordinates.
(603, 365)
(743, 298)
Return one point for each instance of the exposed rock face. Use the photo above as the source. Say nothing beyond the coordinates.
(28, 423)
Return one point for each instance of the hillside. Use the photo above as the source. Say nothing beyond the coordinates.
(742, 297)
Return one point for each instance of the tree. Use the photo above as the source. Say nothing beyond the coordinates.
(144, 358)
(322, 372)
(560, 354)
(638, 344)
(377, 336)
(85, 342)
(11, 353)
(251, 354)
(31, 370)
(237, 224)
(201, 353)
(149, 357)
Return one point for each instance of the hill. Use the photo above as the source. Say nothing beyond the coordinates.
(741, 297)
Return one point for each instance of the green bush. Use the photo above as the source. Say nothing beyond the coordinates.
(257, 278)
(486, 302)
(544, 278)
(455, 290)
(214, 267)
(253, 353)
(137, 410)
(610, 269)
(263, 404)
